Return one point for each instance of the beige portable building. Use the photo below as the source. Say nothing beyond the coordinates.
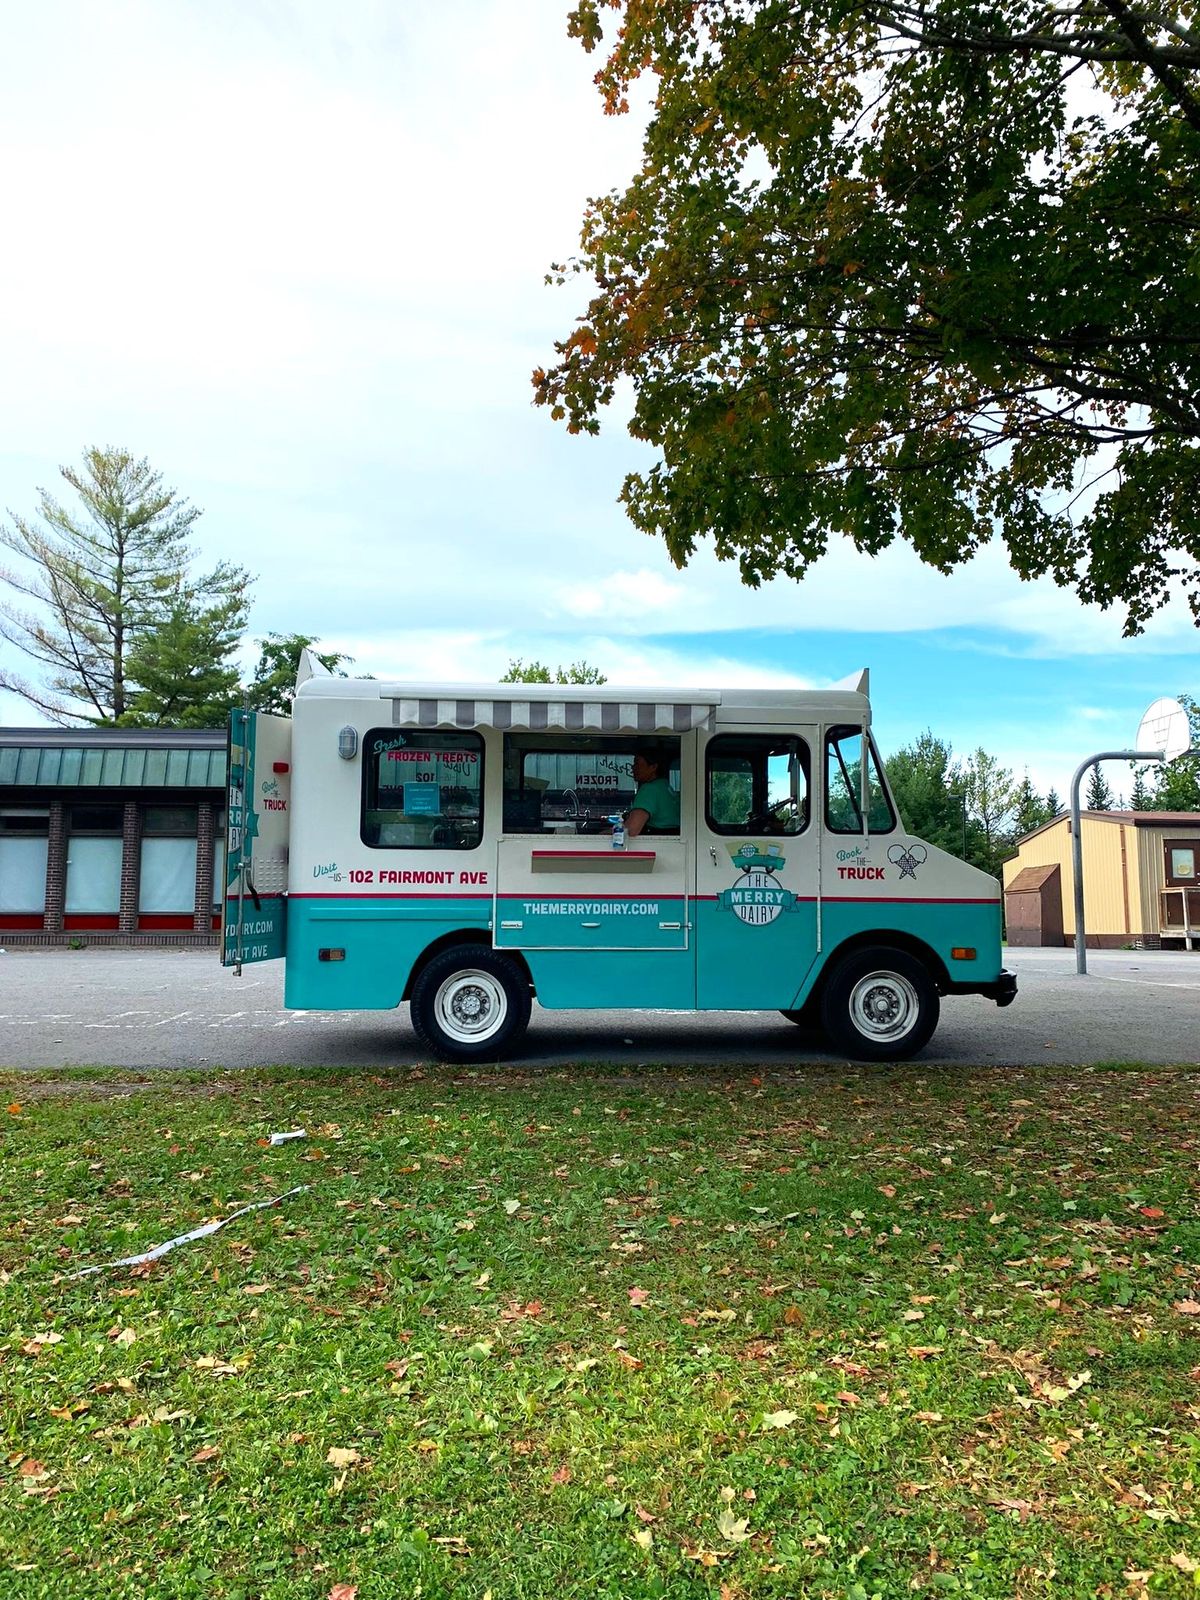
(1141, 879)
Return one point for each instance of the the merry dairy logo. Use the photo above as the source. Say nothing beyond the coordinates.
(756, 897)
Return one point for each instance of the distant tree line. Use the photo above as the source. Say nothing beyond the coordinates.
(977, 809)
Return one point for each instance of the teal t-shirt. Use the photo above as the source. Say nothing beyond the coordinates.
(661, 804)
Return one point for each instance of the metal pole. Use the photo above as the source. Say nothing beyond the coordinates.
(1077, 838)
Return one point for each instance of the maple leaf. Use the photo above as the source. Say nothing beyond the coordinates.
(735, 1529)
(638, 1297)
(343, 1591)
(780, 1419)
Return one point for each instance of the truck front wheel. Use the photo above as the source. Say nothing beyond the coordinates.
(470, 1003)
(880, 1004)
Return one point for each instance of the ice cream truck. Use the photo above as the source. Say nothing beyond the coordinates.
(462, 848)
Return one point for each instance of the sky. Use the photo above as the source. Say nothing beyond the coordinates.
(295, 254)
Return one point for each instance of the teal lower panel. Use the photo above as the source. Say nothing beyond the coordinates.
(604, 980)
(745, 966)
(382, 939)
(942, 925)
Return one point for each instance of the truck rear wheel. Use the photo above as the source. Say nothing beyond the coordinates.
(470, 1004)
(880, 1004)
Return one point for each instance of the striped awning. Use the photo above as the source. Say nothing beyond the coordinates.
(573, 716)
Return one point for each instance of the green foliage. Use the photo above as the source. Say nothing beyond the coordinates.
(991, 798)
(273, 686)
(105, 606)
(520, 671)
(887, 273)
(808, 1333)
(1030, 811)
(1099, 795)
(929, 792)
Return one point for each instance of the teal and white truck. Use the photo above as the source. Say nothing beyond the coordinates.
(452, 846)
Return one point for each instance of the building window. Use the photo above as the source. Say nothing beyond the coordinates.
(422, 791)
(843, 784)
(94, 851)
(218, 883)
(569, 783)
(167, 882)
(756, 783)
(24, 841)
(1182, 856)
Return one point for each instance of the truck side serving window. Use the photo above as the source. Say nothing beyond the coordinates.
(571, 782)
(422, 791)
(756, 783)
(843, 784)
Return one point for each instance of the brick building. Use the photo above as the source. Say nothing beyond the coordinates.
(111, 835)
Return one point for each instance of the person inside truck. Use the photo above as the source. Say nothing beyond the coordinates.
(655, 804)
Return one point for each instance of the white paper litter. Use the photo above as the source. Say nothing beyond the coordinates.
(286, 1138)
(186, 1238)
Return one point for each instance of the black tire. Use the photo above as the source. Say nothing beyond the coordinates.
(880, 1004)
(807, 1017)
(471, 1003)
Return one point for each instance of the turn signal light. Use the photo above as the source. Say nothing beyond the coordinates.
(331, 955)
(962, 952)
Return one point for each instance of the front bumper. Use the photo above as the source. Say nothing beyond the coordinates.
(1003, 990)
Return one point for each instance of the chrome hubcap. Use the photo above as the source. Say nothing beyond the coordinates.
(471, 1005)
(884, 1005)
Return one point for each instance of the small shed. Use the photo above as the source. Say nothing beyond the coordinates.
(1033, 911)
(1141, 878)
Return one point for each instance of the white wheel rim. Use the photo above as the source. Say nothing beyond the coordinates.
(470, 1006)
(884, 1006)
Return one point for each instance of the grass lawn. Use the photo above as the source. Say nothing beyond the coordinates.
(851, 1334)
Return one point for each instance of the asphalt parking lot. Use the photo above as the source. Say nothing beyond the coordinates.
(179, 1008)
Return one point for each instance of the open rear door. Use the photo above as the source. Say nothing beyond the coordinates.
(258, 817)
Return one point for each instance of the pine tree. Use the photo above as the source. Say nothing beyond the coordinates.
(102, 581)
(1142, 797)
(1054, 805)
(1099, 795)
(1030, 811)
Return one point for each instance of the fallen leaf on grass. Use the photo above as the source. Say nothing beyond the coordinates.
(638, 1297)
(340, 1459)
(927, 1416)
(627, 1360)
(33, 1469)
(220, 1368)
(643, 1538)
(39, 1341)
(913, 1316)
(511, 1207)
(735, 1529)
(848, 1397)
(343, 1591)
(256, 1288)
(561, 1475)
(125, 1336)
(210, 1452)
(1188, 1308)
(888, 1189)
(14, 1110)
(922, 1352)
(1184, 1562)
(780, 1419)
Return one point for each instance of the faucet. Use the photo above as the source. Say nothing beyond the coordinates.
(569, 794)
